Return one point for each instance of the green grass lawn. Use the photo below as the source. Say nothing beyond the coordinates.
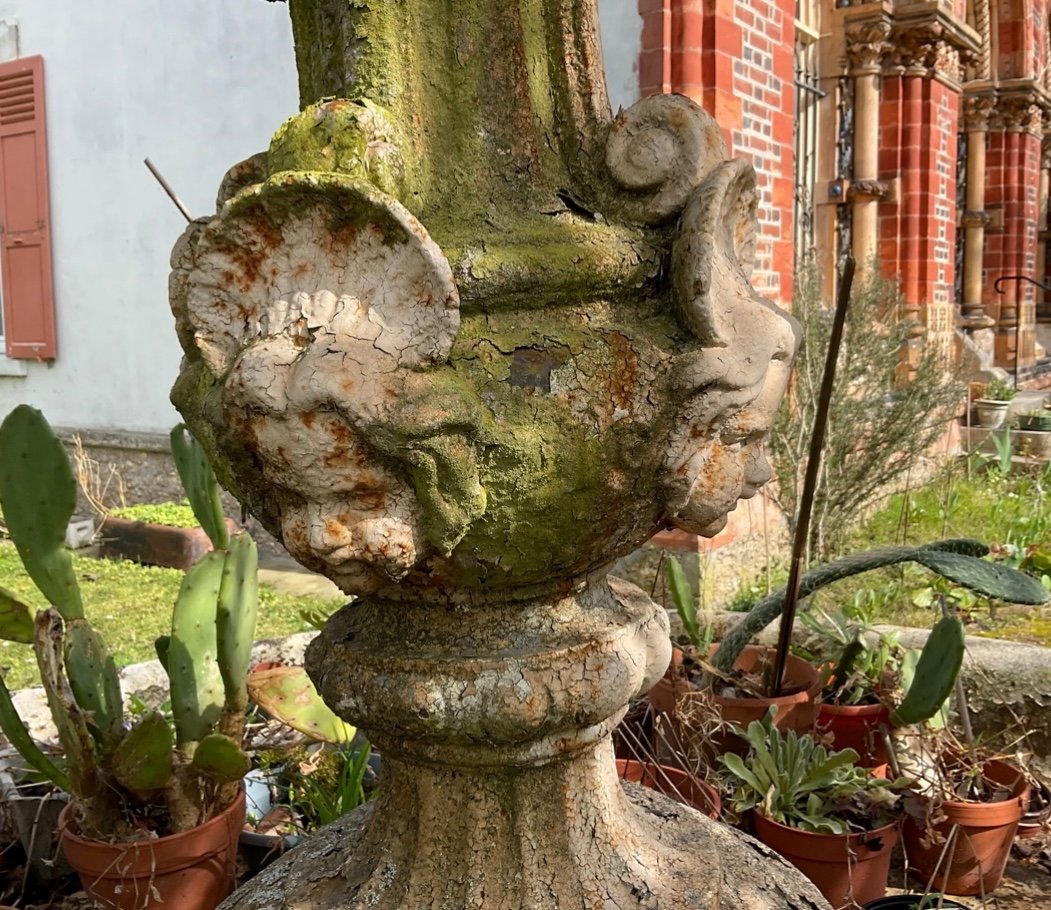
(131, 605)
(1011, 513)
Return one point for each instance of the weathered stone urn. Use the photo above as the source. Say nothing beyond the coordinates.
(460, 339)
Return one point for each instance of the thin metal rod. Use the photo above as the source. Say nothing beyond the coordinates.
(999, 288)
(167, 188)
(806, 500)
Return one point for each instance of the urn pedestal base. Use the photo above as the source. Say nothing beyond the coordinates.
(499, 786)
(564, 835)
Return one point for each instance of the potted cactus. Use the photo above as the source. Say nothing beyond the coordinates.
(144, 796)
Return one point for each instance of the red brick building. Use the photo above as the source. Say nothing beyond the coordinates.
(910, 130)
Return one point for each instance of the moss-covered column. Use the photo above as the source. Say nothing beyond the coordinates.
(461, 339)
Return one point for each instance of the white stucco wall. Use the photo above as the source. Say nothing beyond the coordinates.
(195, 84)
(621, 27)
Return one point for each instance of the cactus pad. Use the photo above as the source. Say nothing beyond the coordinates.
(16, 622)
(288, 694)
(37, 496)
(221, 759)
(143, 760)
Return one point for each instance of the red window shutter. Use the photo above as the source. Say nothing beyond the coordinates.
(25, 233)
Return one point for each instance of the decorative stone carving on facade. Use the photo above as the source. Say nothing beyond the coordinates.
(976, 219)
(461, 343)
(928, 48)
(978, 110)
(871, 189)
(1018, 112)
(866, 44)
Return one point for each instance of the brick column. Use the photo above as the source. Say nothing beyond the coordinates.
(919, 120)
(1013, 180)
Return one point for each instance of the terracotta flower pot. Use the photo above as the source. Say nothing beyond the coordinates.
(1036, 819)
(674, 783)
(795, 711)
(193, 870)
(857, 727)
(843, 867)
(982, 843)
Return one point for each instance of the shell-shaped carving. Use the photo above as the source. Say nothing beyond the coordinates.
(277, 262)
(661, 148)
(713, 257)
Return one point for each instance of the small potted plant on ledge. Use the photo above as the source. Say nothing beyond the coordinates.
(1032, 439)
(991, 409)
(833, 820)
(148, 795)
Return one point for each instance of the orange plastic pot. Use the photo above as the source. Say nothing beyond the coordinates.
(982, 842)
(674, 783)
(192, 870)
(843, 867)
(857, 727)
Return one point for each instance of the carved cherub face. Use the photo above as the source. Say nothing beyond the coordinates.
(319, 319)
(740, 375)
(312, 352)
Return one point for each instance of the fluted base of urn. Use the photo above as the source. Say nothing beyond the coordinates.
(560, 836)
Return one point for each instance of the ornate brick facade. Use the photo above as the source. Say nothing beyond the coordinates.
(930, 152)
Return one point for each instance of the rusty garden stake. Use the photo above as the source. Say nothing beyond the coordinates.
(806, 502)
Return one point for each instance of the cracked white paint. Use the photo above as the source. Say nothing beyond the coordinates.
(310, 301)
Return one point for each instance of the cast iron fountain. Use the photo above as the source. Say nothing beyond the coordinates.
(460, 339)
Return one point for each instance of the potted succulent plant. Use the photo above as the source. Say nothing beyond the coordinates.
(1035, 421)
(868, 677)
(833, 820)
(144, 796)
(991, 408)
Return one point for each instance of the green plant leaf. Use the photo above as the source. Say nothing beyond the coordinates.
(682, 597)
(142, 761)
(16, 733)
(16, 622)
(219, 757)
(935, 673)
(737, 767)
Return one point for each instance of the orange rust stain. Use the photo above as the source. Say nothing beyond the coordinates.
(372, 500)
(625, 375)
(307, 417)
